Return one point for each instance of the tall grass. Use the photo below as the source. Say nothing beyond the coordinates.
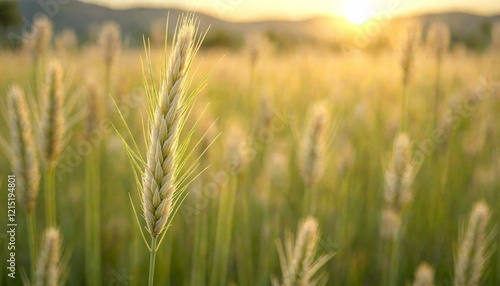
(93, 188)
(161, 184)
(378, 215)
(51, 135)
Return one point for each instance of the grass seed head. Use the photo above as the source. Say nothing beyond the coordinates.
(424, 275)
(236, 149)
(53, 119)
(109, 41)
(399, 175)
(158, 180)
(390, 224)
(38, 40)
(66, 41)
(473, 253)
(48, 267)
(410, 42)
(94, 108)
(438, 39)
(298, 259)
(312, 150)
(24, 160)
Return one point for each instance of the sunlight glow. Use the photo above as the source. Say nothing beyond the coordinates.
(357, 11)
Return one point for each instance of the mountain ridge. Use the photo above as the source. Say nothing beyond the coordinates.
(85, 19)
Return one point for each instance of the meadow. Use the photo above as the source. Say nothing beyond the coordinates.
(376, 162)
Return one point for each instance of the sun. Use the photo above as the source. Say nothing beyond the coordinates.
(357, 11)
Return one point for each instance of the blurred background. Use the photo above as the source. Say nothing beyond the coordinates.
(302, 108)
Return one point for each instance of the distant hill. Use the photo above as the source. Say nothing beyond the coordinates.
(85, 19)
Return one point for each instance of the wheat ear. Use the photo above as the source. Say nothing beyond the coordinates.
(48, 272)
(52, 135)
(424, 275)
(399, 174)
(473, 253)
(109, 42)
(312, 150)
(53, 119)
(24, 159)
(297, 259)
(24, 163)
(38, 40)
(158, 181)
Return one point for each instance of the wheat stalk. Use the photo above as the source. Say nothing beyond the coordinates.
(92, 188)
(424, 275)
(312, 149)
(48, 272)
(297, 257)
(399, 175)
(397, 194)
(53, 119)
(438, 40)
(162, 158)
(236, 150)
(24, 162)
(159, 181)
(313, 153)
(94, 109)
(390, 223)
(51, 135)
(24, 159)
(66, 41)
(473, 254)
(38, 40)
(109, 42)
(410, 44)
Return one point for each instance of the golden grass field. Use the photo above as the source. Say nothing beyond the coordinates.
(255, 143)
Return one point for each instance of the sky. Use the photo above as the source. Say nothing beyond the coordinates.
(247, 10)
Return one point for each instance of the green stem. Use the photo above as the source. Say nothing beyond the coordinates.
(31, 242)
(394, 266)
(50, 196)
(37, 74)
(309, 203)
(88, 223)
(199, 255)
(92, 221)
(152, 258)
(437, 93)
(404, 121)
(96, 222)
(223, 234)
(108, 80)
(244, 242)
